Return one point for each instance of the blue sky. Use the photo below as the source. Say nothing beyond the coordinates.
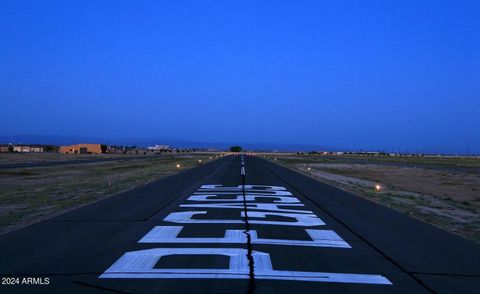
(353, 74)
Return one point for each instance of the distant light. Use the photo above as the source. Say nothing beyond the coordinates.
(178, 165)
(210, 157)
(199, 161)
(274, 159)
(309, 168)
(378, 187)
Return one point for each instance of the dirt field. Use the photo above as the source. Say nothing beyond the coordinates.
(441, 191)
(29, 195)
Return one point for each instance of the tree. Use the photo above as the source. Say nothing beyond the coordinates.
(235, 149)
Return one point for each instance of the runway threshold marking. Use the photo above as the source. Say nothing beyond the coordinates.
(141, 264)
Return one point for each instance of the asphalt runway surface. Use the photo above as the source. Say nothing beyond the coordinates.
(224, 227)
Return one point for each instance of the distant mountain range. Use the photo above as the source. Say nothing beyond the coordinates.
(68, 140)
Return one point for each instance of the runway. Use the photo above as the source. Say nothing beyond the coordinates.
(239, 224)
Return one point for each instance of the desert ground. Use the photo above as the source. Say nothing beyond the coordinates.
(444, 191)
(33, 194)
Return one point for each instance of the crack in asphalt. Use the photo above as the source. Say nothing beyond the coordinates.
(100, 287)
(251, 263)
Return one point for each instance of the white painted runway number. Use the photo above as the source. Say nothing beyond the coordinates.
(284, 208)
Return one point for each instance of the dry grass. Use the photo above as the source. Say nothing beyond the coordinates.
(10, 158)
(29, 195)
(444, 193)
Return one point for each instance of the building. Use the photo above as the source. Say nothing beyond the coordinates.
(21, 148)
(159, 147)
(84, 149)
(35, 148)
(4, 148)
